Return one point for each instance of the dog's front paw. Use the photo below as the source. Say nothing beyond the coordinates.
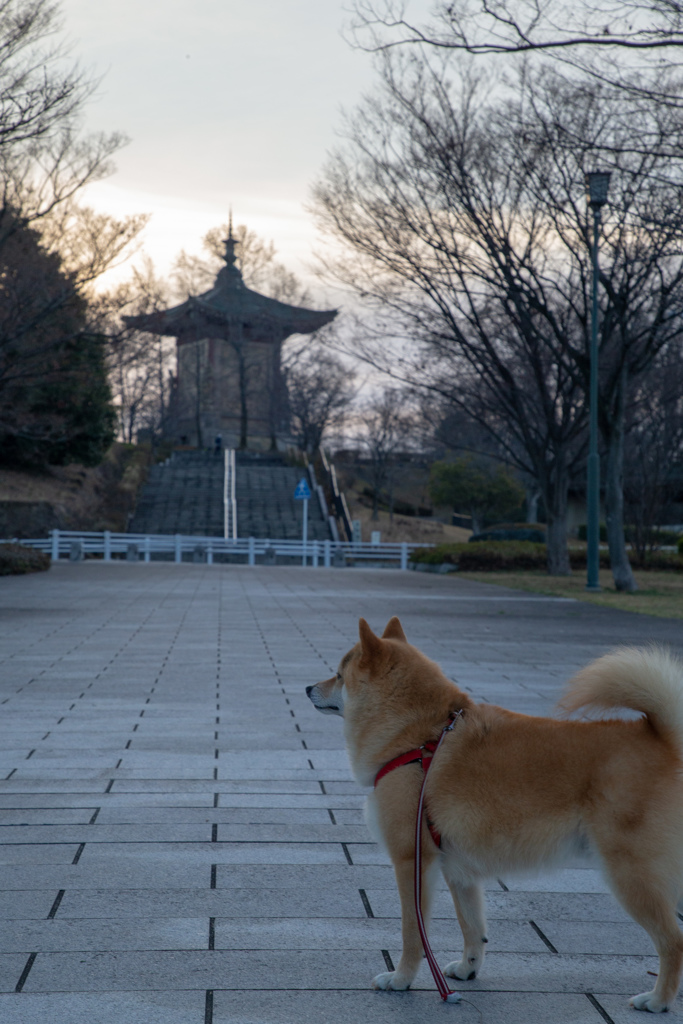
(649, 1001)
(463, 970)
(390, 981)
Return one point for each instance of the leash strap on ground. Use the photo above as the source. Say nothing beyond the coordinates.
(445, 992)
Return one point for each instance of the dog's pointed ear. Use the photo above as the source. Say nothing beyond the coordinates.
(370, 644)
(394, 630)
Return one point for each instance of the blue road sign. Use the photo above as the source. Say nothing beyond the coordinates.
(303, 491)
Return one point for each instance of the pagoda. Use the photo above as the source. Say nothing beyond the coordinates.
(229, 379)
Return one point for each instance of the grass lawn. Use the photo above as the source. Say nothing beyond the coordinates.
(660, 593)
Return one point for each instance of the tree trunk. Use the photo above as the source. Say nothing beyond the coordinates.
(532, 496)
(375, 504)
(614, 497)
(555, 498)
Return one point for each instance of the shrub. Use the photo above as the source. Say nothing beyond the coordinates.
(483, 491)
(667, 561)
(485, 556)
(449, 553)
(16, 559)
(496, 555)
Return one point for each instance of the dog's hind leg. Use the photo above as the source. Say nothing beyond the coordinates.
(412, 953)
(645, 897)
(469, 906)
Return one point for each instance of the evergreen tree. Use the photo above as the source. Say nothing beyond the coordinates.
(55, 401)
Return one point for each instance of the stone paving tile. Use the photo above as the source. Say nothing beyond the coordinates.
(119, 874)
(38, 854)
(103, 1008)
(550, 907)
(349, 934)
(102, 933)
(299, 817)
(597, 937)
(43, 816)
(311, 876)
(105, 855)
(400, 1008)
(218, 903)
(25, 904)
(134, 833)
(120, 684)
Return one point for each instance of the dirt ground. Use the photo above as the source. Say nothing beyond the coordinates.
(405, 528)
(72, 497)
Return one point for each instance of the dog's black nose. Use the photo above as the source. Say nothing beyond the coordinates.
(308, 690)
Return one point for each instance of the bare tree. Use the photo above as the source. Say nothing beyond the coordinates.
(624, 45)
(44, 162)
(44, 158)
(387, 422)
(139, 363)
(518, 26)
(466, 227)
(441, 238)
(654, 449)
(569, 129)
(320, 391)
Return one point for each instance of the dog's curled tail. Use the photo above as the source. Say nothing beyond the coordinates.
(649, 680)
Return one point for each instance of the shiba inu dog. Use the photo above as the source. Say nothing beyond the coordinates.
(510, 792)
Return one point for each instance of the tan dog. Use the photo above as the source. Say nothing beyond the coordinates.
(511, 792)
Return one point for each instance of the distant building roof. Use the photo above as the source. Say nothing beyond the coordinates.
(230, 310)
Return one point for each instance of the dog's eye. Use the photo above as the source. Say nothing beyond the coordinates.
(338, 677)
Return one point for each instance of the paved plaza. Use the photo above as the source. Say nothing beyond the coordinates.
(182, 841)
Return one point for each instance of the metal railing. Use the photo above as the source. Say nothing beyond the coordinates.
(229, 502)
(134, 547)
(341, 509)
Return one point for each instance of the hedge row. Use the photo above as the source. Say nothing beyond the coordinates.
(485, 555)
(16, 559)
(494, 556)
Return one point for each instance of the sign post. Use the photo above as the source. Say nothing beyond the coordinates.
(303, 493)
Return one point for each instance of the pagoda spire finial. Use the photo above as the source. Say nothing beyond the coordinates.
(230, 243)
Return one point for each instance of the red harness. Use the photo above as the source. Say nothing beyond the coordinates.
(424, 755)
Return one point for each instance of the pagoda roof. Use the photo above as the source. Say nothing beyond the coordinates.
(230, 308)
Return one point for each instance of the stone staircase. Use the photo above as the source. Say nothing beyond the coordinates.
(266, 506)
(185, 495)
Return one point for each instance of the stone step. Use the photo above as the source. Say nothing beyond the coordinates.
(185, 496)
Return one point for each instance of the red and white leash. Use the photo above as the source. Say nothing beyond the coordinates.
(445, 992)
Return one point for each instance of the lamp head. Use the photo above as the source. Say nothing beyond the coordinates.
(597, 184)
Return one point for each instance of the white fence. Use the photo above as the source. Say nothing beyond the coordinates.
(76, 544)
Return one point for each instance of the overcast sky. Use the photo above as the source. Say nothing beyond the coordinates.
(227, 103)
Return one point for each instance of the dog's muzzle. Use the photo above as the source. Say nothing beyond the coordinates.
(321, 703)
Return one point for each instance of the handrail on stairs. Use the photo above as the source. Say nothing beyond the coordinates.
(229, 501)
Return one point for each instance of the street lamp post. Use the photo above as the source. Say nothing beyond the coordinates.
(597, 183)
